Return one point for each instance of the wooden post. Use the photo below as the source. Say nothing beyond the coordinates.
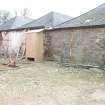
(12, 59)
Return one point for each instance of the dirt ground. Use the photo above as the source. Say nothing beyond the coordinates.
(47, 83)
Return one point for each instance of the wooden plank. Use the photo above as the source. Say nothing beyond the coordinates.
(34, 45)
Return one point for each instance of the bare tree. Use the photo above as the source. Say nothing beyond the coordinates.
(4, 16)
(15, 13)
(25, 12)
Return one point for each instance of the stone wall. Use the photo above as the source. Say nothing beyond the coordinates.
(77, 46)
(57, 45)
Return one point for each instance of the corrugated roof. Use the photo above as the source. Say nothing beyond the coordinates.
(92, 18)
(15, 23)
(49, 20)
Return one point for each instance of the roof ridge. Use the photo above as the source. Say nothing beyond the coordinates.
(39, 18)
(57, 13)
(79, 15)
(49, 20)
(52, 21)
(47, 14)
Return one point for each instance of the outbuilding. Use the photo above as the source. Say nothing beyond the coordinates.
(80, 40)
(35, 39)
(21, 35)
(11, 36)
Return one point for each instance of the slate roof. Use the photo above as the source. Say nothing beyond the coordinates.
(15, 23)
(49, 20)
(92, 18)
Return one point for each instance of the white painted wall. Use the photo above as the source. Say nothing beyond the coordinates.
(12, 41)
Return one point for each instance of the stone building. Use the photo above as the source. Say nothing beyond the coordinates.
(18, 32)
(80, 40)
(35, 43)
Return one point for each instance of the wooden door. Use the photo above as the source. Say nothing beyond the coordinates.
(34, 45)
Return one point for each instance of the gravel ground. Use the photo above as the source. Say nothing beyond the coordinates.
(47, 83)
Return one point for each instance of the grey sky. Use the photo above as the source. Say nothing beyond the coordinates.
(41, 7)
